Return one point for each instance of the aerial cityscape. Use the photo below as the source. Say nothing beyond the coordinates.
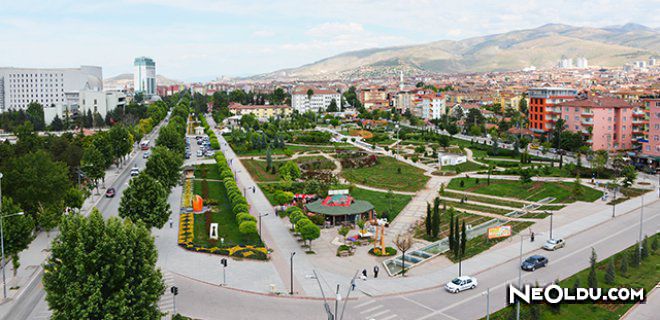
(204, 159)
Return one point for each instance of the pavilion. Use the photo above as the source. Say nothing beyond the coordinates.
(338, 208)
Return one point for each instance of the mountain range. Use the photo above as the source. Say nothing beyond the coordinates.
(541, 47)
(125, 80)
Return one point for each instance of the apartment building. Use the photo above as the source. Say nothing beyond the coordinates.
(318, 101)
(651, 127)
(374, 98)
(432, 106)
(605, 122)
(48, 86)
(144, 76)
(260, 111)
(543, 112)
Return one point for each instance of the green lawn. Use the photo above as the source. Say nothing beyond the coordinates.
(470, 219)
(383, 202)
(227, 226)
(480, 244)
(464, 167)
(322, 163)
(507, 203)
(477, 207)
(534, 191)
(384, 175)
(627, 193)
(257, 170)
(208, 171)
(645, 276)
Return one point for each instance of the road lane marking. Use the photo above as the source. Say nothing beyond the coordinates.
(389, 317)
(378, 314)
(364, 304)
(372, 309)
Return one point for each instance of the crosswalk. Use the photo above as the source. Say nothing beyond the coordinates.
(372, 310)
(166, 303)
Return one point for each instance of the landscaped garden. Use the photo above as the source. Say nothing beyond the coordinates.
(564, 192)
(468, 166)
(626, 269)
(388, 174)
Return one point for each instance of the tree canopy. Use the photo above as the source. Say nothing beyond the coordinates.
(164, 165)
(145, 200)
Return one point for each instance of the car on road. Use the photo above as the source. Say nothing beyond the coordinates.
(554, 244)
(146, 155)
(534, 262)
(135, 171)
(461, 283)
(110, 193)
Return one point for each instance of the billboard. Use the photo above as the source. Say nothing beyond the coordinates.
(499, 232)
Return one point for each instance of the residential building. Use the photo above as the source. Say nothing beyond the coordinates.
(144, 76)
(605, 122)
(651, 141)
(374, 98)
(49, 87)
(542, 110)
(260, 111)
(433, 106)
(565, 63)
(318, 101)
(582, 63)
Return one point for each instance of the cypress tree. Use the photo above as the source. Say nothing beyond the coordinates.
(463, 238)
(623, 269)
(636, 257)
(610, 274)
(428, 219)
(645, 248)
(451, 229)
(592, 279)
(457, 236)
(436, 217)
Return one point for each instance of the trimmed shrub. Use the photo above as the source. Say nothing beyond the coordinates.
(247, 227)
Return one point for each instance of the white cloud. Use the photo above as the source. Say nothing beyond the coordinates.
(331, 29)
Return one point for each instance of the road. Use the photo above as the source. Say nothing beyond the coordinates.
(32, 304)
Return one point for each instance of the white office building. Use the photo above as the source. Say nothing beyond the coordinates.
(49, 87)
(565, 63)
(319, 101)
(100, 102)
(432, 107)
(144, 76)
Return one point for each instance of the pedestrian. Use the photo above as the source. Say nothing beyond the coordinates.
(364, 274)
(532, 236)
(376, 271)
(171, 223)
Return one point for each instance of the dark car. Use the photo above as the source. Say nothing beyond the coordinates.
(110, 193)
(534, 262)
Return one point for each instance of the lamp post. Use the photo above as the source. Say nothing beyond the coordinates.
(398, 143)
(551, 216)
(487, 294)
(291, 262)
(641, 222)
(223, 262)
(2, 240)
(614, 189)
(261, 215)
(519, 276)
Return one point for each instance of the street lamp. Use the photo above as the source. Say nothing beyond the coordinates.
(641, 222)
(261, 215)
(398, 143)
(519, 276)
(487, 294)
(291, 262)
(614, 190)
(552, 214)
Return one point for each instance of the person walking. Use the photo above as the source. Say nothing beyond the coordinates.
(531, 237)
(364, 274)
(171, 223)
(376, 271)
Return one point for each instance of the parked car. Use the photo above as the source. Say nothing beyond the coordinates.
(110, 193)
(146, 155)
(534, 262)
(135, 171)
(554, 244)
(461, 283)
(200, 153)
(187, 156)
(199, 142)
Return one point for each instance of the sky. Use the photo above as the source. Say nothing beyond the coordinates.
(194, 40)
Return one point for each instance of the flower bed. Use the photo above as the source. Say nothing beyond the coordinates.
(186, 234)
(186, 200)
(389, 251)
(248, 252)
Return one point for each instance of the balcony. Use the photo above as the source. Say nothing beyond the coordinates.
(585, 131)
(588, 122)
(587, 113)
(553, 110)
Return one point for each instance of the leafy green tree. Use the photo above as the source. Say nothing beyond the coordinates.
(93, 164)
(636, 256)
(114, 277)
(289, 171)
(629, 175)
(48, 217)
(102, 142)
(283, 197)
(592, 279)
(145, 200)
(269, 159)
(310, 232)
(57, 124)
(172, 139)
(644, 250)
(17, 229)
(35, 113)
(610, 273)
(576, 190)
(122, 142)
(525, 176)
(623, 268)
(36, 179)
(164, 165)
(332, 107)
(74, 198)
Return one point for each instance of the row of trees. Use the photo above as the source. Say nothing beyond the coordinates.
(247, 224)
(301, 224)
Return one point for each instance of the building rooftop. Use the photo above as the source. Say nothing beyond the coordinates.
(597, 102)
(339, 205)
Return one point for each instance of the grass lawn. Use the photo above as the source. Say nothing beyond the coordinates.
(382, 201)
(464, 167)
(644, 276)
(257, 170)
(507, 203)
(223, 216)
(384, 175)
(627, 194)
(208, 171)
(477, 207)
(323, 163)
(534, 191)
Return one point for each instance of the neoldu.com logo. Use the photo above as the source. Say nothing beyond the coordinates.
(553, 294)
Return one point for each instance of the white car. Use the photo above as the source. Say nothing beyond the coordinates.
(135, 171)
(554, 244)
(461, 283)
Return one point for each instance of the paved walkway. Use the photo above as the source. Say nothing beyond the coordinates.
(416, 208)
(649, 310)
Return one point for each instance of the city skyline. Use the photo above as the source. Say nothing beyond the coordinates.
(206, 39)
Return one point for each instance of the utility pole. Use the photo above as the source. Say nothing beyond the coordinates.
(551, 216)
(519, 277)
(261, 215)
(641, 222)
(487, 293)
(291, 262)
(223, 261)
